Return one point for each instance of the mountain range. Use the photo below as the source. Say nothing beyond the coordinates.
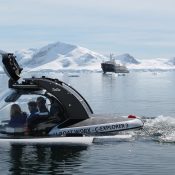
(62, 56)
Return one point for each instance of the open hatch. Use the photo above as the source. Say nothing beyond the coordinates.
(11, 66)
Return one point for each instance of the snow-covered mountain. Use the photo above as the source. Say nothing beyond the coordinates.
(126, 59)
(59, 56)
(24, 56)
(152, 64)
(62, 56)
(171, 61)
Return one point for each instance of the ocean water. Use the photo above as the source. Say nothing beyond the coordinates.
(149, 95)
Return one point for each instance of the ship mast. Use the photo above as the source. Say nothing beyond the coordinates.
(111, 57)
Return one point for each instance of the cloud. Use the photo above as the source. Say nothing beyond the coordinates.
(114, 24)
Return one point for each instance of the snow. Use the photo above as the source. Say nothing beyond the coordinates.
(67, 57)
(59, 56)
(1, 65)
(152, 64)
(24, 56)
(171, 61)
(126, 59)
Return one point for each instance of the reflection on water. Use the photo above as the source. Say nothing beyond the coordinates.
(44, 159)
(141, 93)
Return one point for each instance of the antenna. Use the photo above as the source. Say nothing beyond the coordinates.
(111, 56)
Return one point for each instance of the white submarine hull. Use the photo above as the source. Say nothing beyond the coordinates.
(118, 124)
(93, 126)
(71, 141)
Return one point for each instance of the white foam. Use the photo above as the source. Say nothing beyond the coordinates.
(168, 139)
(162, 128)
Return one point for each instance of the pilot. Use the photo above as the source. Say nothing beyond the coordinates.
(41, 103)
(17, 117)
(55, 110)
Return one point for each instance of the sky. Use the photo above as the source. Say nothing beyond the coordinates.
(142, 28)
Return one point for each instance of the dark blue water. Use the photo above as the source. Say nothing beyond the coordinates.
(140, 93)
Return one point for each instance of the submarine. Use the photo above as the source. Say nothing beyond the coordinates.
(76, 117)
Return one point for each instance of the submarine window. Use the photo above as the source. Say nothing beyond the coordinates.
(22, 101)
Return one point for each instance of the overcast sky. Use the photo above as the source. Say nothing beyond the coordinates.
(143, 28)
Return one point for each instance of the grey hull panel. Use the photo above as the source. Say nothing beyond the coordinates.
(101, 119)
